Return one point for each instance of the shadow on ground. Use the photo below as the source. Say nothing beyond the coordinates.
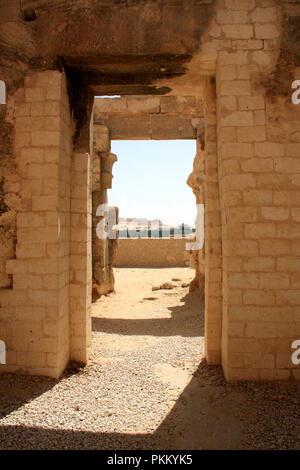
(197, 420)
(209, 414)
(17, 389)
(186, 320)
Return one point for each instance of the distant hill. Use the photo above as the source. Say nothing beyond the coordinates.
(144, 228)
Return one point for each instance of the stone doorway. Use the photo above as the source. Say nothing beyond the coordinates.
(52, 271)
(154, 300)
(144, 117)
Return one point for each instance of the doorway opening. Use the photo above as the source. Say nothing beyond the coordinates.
(151, 328)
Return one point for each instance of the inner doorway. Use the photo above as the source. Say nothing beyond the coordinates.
(148, 335)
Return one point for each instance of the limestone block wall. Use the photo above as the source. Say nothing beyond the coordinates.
(258, 167)
(151, 252)
(17, 48)
(150, 117)
(35, 309)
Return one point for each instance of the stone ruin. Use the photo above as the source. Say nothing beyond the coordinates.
(103, 251)
(240, 58)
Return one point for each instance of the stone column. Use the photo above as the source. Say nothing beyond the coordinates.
(103, 250)
(196, 182)
(213, 240)
(81, 242)
(37, 323)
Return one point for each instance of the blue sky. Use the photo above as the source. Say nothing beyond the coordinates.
(150, 180)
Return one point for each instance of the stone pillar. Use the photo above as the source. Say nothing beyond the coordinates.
(196, 182)
(81, 241)
(103, 250)
(37, 306)
(81, 257)
(259, 188)
(213, 240)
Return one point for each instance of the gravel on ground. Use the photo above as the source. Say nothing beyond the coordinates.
(147, 385)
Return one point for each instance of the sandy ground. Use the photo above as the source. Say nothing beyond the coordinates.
(147, 385)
